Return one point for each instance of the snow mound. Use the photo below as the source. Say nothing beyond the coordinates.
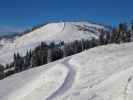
(101, 73)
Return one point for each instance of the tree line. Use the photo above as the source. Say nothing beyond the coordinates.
(46, 53)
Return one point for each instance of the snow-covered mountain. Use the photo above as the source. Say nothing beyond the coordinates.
(59, 31)
(101, 73)
(65, 31)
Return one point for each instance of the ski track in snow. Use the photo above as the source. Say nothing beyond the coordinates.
(126, 87)
(64, 25)
(67, 83)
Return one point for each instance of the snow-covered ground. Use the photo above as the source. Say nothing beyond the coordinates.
(60, 31)
(101, 73)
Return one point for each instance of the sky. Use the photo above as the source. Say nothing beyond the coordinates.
(17, 15)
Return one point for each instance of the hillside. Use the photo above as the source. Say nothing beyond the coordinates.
(101, 73)
(65, 31)
(59, 31)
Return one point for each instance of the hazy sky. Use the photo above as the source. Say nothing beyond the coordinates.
(20, 14)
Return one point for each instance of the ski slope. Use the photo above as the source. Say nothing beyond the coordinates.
(101, 73)
(59, 31)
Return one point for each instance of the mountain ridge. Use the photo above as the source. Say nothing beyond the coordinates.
(34, 27)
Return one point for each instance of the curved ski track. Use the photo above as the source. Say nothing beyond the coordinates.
(68, 82)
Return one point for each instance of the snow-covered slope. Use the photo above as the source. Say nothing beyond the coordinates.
(60, 31)
(65, 31)
(101, 73)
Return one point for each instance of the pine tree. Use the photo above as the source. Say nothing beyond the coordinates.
(27, 60)
(18, 63)
(39, 55)
(94, 42)
(108, 38)
(35, 60)
(49, 52)
(1, 71)
(123, 29)
(115, 36)
(68, 49)
(86, 44)
(128, 36)
(56, 53)
(132, 26)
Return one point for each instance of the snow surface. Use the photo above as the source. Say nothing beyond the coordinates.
(101, 73)
(60, 31)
